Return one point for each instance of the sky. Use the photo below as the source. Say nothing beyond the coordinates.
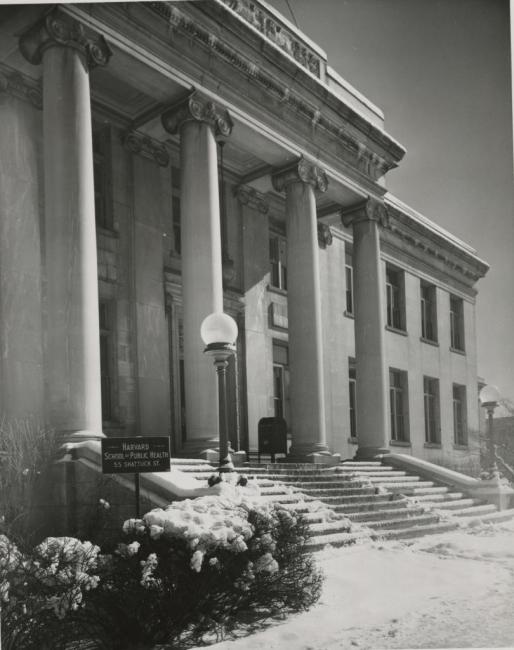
(440, 71)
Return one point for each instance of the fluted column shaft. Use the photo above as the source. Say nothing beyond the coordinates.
(369, 288)
(71, 298)
(199, 121)
(304, 307)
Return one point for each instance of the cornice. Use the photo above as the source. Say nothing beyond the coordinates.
(56, 28)
(197, 108)
(354, 134)
(147, 147)
(251, 197)
(14, 83)
(301, 171)
(423, 241)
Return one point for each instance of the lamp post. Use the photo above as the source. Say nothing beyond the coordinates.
(489, 396)
(219, 333)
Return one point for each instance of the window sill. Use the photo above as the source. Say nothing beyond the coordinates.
(395, 330)
(429, 341)
(432, 445)
(348, 314)
(461, 447)
(353, 441)
(457, 351)
(400, 443)
(280, 292)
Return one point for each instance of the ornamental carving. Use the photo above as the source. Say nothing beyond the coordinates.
(147, 147)
(325, 237)
(197, 108)
(249, 196)
(13, 83)
(370, 210)
(57, 28)
(302, 171)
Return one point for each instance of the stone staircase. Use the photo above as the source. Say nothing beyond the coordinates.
(355, 500)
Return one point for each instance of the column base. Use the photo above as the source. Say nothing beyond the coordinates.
(316, 458)
(370, 453)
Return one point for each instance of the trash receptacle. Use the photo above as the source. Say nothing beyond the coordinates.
(272, 434)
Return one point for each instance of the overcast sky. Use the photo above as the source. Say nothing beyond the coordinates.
(440, 71)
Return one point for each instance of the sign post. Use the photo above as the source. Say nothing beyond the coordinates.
(140, 454)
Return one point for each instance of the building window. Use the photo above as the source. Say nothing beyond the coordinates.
(352, 394)
(460, 434)
(398, 404)
(278, 261)
(428, 312)
(431, 403)
(395, 298)
(456, 323)
(280, 380)
(102, 176)
(349, 289)
(175, 209)
(106, 358)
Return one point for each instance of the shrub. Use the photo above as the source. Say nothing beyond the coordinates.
(197, 569)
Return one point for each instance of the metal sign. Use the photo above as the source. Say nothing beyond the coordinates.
(134, 455)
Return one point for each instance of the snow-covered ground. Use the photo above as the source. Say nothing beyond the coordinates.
(454, 590)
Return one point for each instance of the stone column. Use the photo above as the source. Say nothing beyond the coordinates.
(369, 290)
(299, 181)
(199, 121)
(67, 53)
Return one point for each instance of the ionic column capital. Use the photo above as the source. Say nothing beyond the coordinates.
(370, 210)
(144, 145)
(247, 195)
(301, 171)
(197, 108)
(56, 28)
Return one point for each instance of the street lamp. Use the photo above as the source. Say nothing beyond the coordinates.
(489, 397)
(219, 333)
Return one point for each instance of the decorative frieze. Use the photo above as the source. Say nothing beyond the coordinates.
(370, 210)
(148, 147)
(196, 107)
(249, 196)
(14, 83)
(58, 29)
(302, 171)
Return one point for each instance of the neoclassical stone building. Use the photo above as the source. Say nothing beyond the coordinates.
(161, 161)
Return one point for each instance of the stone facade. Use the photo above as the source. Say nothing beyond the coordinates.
(133, 107)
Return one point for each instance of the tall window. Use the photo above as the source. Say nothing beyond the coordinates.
(431, 403)
(349, 289)
(352, 394)
(460, 434)
(428, 312)
(278, 261)
(101, 176)
(175, 208)
(106, 358)
(280, 379)
(398, 404)
(456, 323)
(395, 298)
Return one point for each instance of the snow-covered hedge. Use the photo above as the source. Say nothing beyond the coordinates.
(198, 568)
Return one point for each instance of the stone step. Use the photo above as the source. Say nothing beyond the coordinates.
(329, 527)
(384, 514)
(319, 542)
(314, 481)
(451, 505)
(334, 492)
(420, 489)
(393, 479)
(438, 497)
(470, 511)
(366, 497)
(369, 506)
(382, 476)
(362, 464)
(402, 521)
(417, 531)
(493, 517)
